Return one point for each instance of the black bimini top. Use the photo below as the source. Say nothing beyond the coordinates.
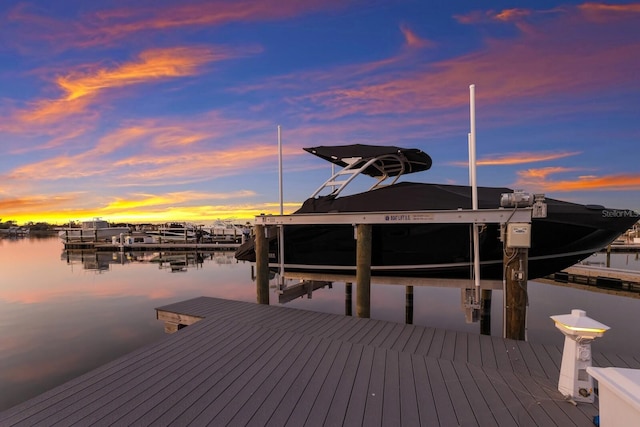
(392, 160)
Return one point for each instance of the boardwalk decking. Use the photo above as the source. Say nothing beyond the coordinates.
(250, 364)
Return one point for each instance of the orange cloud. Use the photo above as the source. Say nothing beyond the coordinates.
(80, 87)
(145, 152)
(519, 158)
(541, 179)
(35, 203)
(512, 14)
(151, 65)
(411, 39)
(600, 12)
(105, 27)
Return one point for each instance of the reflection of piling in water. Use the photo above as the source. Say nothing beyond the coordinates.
(348, 304)
(408, 315)
(485, 312)
(262, 265)
(304, 287)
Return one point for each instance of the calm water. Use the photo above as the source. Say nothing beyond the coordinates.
(64, 314)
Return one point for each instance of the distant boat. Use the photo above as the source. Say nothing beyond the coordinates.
(15, 231)
(176, 232)
(570, 232)
(227, 231)
(96, 230)
(222, 231)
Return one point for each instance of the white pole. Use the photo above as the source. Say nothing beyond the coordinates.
(281, 227)
(280, 170)
(472, 149)
(470, 172)
(474, 189)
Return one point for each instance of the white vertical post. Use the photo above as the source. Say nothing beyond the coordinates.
(281, 227)
(472, 148)
(280, 170)
(474, 188)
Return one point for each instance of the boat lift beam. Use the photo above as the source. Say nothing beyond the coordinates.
(459, 216)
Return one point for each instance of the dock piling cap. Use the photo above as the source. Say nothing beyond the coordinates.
(579, 325)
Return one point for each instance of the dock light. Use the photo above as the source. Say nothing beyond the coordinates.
(579, 330)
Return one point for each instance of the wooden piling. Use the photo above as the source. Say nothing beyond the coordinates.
(515, 265)
(363, 270)
(262, 265)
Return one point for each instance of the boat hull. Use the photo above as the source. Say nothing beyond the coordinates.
(89, 234)
(569, 234)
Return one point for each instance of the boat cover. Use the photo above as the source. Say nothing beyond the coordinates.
(413, 159)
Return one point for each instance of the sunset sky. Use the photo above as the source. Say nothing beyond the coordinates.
(154, 110)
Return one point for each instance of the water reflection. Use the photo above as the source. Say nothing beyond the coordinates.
(172, 261)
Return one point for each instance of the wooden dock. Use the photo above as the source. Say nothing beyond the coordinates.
(600, 279)
(248, 364)
(141, 247)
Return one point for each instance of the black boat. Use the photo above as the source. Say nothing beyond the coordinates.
(568, 234)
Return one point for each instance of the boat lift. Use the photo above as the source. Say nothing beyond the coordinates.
(515, 223)
(362, 221)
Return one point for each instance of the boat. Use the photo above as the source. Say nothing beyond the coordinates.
(96, 230)
(176, 232)
(15, 231)
(569, 233)
(228, 232)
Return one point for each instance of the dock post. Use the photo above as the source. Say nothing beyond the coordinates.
(485, 312)
(408, 315)
(348, 301)
(515, 293)
(363, 270)
(262, 265)
(609, 256)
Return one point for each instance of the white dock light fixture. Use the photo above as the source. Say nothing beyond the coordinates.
(579, 331)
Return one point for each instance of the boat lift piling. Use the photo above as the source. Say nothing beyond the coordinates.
(363, 270)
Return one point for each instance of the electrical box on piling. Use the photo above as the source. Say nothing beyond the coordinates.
(518, 235)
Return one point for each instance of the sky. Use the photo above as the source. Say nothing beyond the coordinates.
(154, 110)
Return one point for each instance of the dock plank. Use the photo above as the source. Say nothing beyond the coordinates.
(488, 355)
(409, 406)
(375, 392)
(324, 400)
(391, 407)
(343, 390)
(495, 404)
(476, 397)
(357, 403)
(423, 391)
(461, 405)
(308, 397)
(445, 410)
